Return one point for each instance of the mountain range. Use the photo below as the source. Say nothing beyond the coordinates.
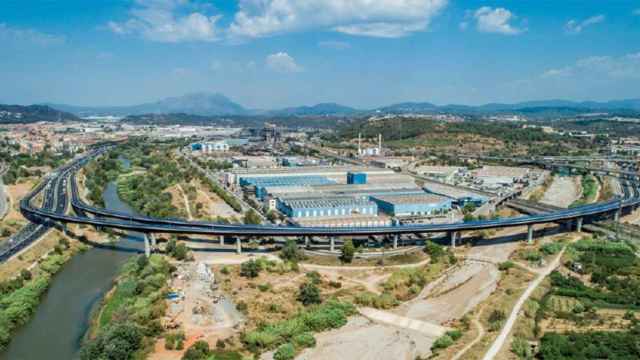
(14, 114)
(208, 104)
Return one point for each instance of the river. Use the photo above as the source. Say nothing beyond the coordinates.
(60, 322)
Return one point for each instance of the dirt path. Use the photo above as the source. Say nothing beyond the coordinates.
(186, 202)
(481, 333)
(563, 192)
(511, 320)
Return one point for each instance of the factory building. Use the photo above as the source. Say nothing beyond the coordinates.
(262, 184)
(327, 207)
(413, 205)
(460, 197)
(208, 147)
(356, 178)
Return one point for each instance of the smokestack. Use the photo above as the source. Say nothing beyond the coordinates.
(380, 144)
(359, 144)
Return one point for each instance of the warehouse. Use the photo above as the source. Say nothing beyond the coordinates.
(459, 196)
(412, 205)
(262, 184)
(327, 207)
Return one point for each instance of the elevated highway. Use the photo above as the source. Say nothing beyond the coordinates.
(102, 218)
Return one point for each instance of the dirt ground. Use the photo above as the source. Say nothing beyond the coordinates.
(455, 295)
(563, 191)
(364, 339)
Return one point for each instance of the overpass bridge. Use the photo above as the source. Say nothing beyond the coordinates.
(103, 218)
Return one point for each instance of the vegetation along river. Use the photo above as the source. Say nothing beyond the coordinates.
(62, 319)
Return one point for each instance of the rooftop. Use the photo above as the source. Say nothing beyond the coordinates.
(413, 199)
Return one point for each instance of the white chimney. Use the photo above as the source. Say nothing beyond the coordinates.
(380, 144)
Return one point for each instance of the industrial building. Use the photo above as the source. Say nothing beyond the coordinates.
(460, 196)
(327, 207)
(413, 205)
(261, 184)
(208, 147)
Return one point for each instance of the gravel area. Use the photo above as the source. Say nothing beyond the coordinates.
(363, 339)
(563, 191)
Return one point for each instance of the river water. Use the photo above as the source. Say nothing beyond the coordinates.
(57, 328)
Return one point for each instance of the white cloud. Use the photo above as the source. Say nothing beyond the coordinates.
(283, 63)
(496, 20)
(601, 67)
(576, 27)
(377, 18)
(168, 21)
(336, 45)
(32, 36)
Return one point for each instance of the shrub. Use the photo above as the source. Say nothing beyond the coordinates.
(506, 265)
(285, 352)
(521, 348)
(454, 334)
(198, 351)
(348, 251)
(434, 250)
(290, 252)
(314, 277)
(304, 340)
(250, 269)
(309, 294)
(331, 315)
(442, 342)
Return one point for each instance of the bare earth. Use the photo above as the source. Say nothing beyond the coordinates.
(451, 298)
(563, 191)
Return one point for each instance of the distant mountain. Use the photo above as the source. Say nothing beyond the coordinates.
(207, 104)
(10, 114)
(204, 104)
(323, 109)
(408, 107)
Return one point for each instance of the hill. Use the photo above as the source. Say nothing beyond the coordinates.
(322, 109)
(11, 114)
(203, 104)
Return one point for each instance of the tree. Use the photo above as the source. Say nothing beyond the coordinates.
(434, 250)
(198, 351)
(290, 251)
(309, 294)
(469, 208)
(252, 217)
(250, 269)
(348, 251)
(25, 275)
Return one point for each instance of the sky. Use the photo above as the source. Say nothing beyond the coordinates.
(267, 54)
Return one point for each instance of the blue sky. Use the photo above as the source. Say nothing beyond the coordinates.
(276, 53)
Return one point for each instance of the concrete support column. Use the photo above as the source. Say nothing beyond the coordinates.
(579, 224)
(530, 234)
(147, 247)
(65, 231)
(306, 241)
(221, 240)
(332, 245)
(453, 235)
(616, 216)
(154, 243)
(395, 241)
(238, 246)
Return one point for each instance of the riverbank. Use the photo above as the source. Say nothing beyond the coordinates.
(21, 294)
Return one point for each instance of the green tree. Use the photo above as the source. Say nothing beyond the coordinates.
(348, 251)
(309, 294)
(252, 217)
(198, 351)
(250, 269)
(290, 251)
